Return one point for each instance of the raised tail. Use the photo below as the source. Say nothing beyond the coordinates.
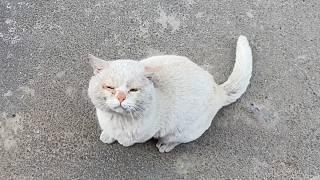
(239, 79)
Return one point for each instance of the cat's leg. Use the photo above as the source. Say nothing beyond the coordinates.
(166, 144)
(166, 147)
(169, 142)
(105, 138)
(126, 143)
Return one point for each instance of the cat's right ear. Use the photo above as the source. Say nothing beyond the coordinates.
(97, 64)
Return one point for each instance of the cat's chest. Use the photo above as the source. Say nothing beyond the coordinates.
(125, 128)
(129, 132)
(122, 128)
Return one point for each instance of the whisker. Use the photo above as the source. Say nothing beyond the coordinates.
(131, 115)
(139, 107)
(136, 113)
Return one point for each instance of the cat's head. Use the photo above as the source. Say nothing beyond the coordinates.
(122, 86)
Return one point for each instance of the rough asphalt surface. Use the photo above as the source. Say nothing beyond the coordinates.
(48, 127)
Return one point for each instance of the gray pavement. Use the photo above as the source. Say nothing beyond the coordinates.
(48, 127)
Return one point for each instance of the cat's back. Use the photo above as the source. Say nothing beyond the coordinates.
(176, 67)
(180, 77)
(165, 60)
(172, 64)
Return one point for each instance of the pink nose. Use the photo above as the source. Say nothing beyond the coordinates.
(121, 96)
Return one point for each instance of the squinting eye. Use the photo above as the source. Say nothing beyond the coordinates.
(134, 90)
(107, 87)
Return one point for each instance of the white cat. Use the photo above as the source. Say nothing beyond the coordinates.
(169, 98)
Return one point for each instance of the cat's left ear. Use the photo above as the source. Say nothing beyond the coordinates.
(150, 73)
(97, 64)
(151, 70)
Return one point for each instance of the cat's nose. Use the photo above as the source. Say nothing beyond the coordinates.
(121, 96)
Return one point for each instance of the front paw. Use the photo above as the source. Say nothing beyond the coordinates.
(166, 147)
(106, 138)
(126, 143)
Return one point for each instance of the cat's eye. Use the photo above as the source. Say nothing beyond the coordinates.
(134, 90)
(107, 87)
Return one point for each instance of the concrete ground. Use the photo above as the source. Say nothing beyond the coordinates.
(48, 127)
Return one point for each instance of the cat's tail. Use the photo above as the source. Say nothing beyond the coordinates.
(239, 79)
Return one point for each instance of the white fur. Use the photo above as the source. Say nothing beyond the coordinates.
(176, 101)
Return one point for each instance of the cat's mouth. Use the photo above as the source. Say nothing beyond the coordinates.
(120, 109)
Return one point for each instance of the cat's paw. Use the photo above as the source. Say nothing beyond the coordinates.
(106, 138)
(166, 147)
(126, 143)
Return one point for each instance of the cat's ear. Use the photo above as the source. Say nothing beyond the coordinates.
(150, 73)
(97, 64)
(151, 70)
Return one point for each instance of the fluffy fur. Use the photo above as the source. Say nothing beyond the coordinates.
(169, 98)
